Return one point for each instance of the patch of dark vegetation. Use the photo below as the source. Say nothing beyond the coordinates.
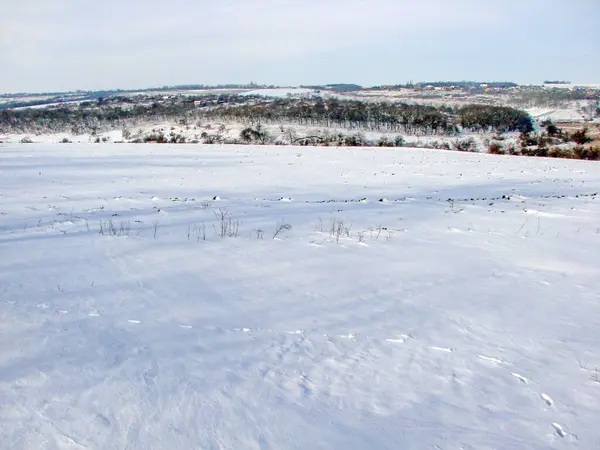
(121, 112)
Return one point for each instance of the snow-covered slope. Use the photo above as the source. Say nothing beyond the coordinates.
(573, 113)
(282, 92)
(421, 299)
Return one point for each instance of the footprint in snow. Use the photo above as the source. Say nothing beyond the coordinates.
(94, 314)
(400, 339)
(187, 327)
(134, 321)
(559, 430)
(441, 349)
(62, 311)
(547, 400)
(491, 359)
(521, 378)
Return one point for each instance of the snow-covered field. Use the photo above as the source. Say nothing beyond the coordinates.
(568, 113)
(127, 322)
(282, 92)
(231, 130)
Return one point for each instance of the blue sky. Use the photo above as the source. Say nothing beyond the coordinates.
(83, 44)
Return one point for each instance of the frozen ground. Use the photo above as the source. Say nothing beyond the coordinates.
(427, 323)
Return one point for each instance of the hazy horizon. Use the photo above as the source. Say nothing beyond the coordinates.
(67, 46)
(275, 86)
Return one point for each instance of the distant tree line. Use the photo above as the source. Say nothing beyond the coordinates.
(336, 87)
(118, 112)
(494, 118)
(552, 97)
(469, 84)
(93, 117)
(388, 117)
(58, 97)
(446, 84)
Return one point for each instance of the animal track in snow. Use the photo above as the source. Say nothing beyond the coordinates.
(401, 339)
(306, 386)
(441, 349)
(559, 429)
(547, 400)
(521, 378)
(491, 359)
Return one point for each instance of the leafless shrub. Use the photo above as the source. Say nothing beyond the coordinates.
(200, 232)
(522, 226)
(338, 229)
(376, 232)
(453, 208)
(594, 373)
(222, 216)
(227, 226)
(111, 229)
(361, 236)
(124, 228)
(319, 225)
(155, 227)
(281, 226)
(234, 228)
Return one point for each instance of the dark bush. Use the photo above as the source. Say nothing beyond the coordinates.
(496, 149)
(581, 137)
(466, 145)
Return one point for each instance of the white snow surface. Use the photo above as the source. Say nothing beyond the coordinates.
(472, 323)
(571, 113)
